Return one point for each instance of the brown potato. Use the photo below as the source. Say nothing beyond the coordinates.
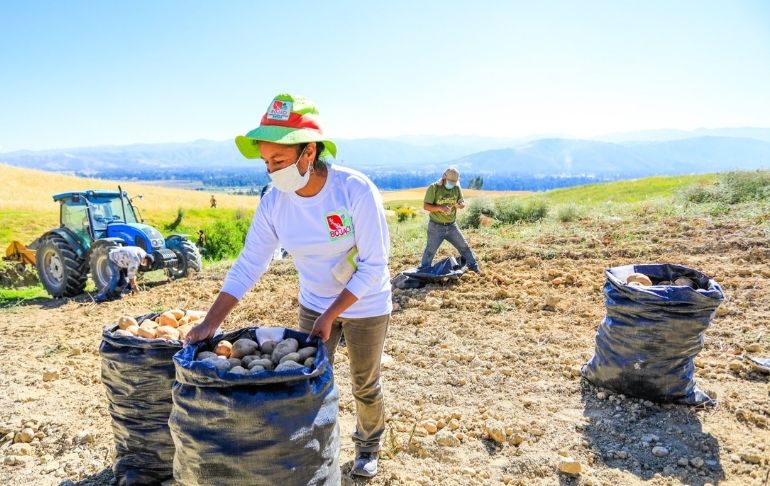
(183, 330)
(147, 332)
(134, 330)
(685, 282)
(124, 322)
(167, 332)
(224, 348)
(184, 320)
(121, 333)
(177, 313)
(148, 325)
(244, 347)
(640, 278)
(168, 319)
(195, 314)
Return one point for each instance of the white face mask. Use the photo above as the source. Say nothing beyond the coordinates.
(289, 179)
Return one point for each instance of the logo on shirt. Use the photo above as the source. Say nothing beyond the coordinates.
(279, 110)
(339, 224)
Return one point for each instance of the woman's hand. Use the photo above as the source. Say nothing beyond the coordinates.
(201, 332)
(322, 327)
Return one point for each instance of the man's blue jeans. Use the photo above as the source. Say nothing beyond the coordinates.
(116, 284)
(437, 233)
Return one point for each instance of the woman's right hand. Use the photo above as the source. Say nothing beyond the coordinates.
(201, 332)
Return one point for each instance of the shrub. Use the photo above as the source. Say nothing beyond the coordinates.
(404, 213)
(224, 239)
(567, 214)
(731, 188)
(470, 217)
(510, 212)
(175, 224)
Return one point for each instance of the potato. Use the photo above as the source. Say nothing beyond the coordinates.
(184, 320)
(244, 347)
(218, 363)
(262, 363)
(283, 348)
(147, 332)
(639, 278)
(267, 356)
(238, 370)
(305, 353)
(234, 362)
(223, 348)
(664, 282)
(288, 365)
(177, 313)
(183, 330)
(196, 315)
(121, 333)
(206, 354)
(134, 330)
(267, 347)
(290, 357)
(167, 332)
(246, 360)
(168, 319)
(124, 322)
(148, 324)
(685, 282)
(255, 368)
(309, 362)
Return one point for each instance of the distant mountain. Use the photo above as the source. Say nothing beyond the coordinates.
(548, 157)
(668, 135)
(562, 157)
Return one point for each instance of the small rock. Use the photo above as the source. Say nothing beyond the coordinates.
(50, 375)
(683, 462)
(447, 439)
(495, 430)
(453, 424)
(751, 457)
(26, 435)
(569, 465)
(659, 451)
(21, 449)
(429, 426)
(621, 455)
(601, 395)
(696, 462)
(735, 366)
(85, 437)
(650, 438)
(516, 439)
(754, 348)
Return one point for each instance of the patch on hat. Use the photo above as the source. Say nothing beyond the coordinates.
(279, 110)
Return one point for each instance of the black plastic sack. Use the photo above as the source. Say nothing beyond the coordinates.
(266, 428)
(646, 343)
(444, 270)
(138, 374)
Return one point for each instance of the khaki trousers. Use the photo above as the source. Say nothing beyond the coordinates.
(365, 339)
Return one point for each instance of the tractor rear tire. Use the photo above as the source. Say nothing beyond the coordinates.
(187, 258)
(61, 271)
(101, 270)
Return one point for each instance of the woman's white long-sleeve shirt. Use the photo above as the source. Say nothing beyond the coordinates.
(317, 232)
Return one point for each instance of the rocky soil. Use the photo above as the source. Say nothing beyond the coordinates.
(482, 377)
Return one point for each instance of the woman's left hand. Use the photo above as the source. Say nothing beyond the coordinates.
(322, 327)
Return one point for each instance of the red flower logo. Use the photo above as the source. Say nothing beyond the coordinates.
(334, 221)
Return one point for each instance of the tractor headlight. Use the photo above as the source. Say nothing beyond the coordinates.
(156, 243)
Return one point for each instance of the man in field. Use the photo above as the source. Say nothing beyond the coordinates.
(442, 200)
(124, 263)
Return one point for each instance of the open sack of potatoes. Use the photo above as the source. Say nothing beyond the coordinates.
(138, 373)
(255, 406)
(650, 335)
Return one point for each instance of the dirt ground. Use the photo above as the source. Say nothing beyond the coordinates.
(491, 362)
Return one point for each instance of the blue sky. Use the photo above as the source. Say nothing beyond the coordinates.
(82, 73)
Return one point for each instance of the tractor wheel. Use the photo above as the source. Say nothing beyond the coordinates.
(101, 271)
(187, 258)
(61, 271)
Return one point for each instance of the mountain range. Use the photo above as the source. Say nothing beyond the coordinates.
(616, 155)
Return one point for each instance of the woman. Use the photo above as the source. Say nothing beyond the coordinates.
(319, 213)
(442, 200)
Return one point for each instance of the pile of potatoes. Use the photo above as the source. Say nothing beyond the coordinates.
(247, 356)
(171, 325)
(642, 280)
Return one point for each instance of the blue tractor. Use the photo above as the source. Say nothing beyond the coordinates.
(93, 222)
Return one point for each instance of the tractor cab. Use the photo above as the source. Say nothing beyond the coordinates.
(97, 215)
